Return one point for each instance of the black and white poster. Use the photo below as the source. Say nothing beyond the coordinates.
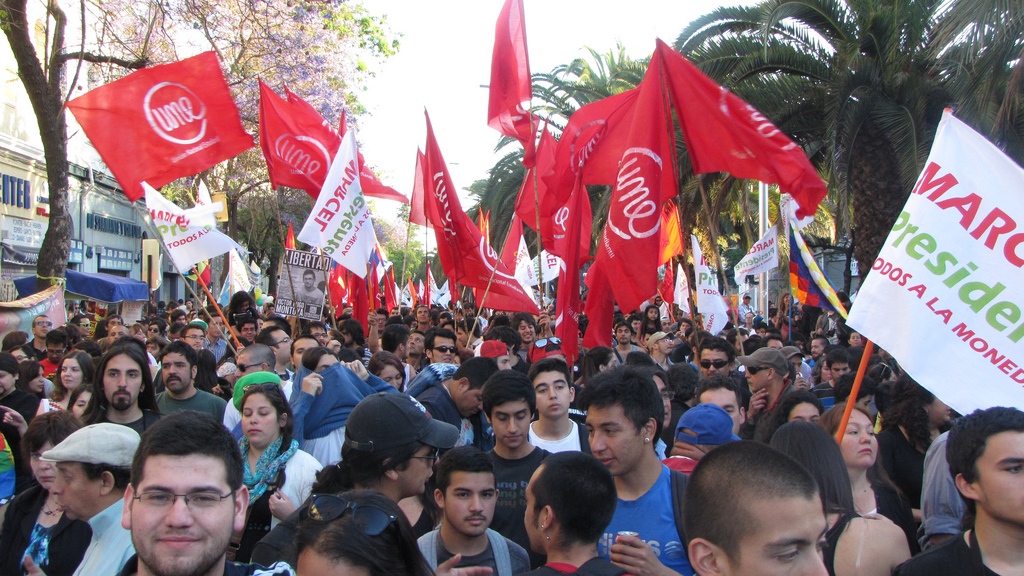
(302, 284)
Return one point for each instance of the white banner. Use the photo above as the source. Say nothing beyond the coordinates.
(787, 209)
(445, 296)
(525, 273)
(709, 301)
(552, 267)
(762, 257)
(340, 222)
(943, 296)
(682, 292)
(435, 292)
(188, 240)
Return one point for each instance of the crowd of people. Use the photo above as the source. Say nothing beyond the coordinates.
(209, 442)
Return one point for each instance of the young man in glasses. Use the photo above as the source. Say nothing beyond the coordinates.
(768, 378)
(554, 431)
(467, 494)
(186, 499)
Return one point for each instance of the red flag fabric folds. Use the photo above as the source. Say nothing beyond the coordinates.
(289, 239)
(511, 87)
(600, 308)
(298, 144)
(533, 192)
(725, 134)
(629, 248)
(466, 257)
(671, 235)
(163, 123)
(567, 309)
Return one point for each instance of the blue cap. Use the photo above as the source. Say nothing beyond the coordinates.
(705, 424)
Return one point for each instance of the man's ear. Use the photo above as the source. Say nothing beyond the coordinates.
(126, 512)
(464, 385)
(439, 498)
(966, 488)
(706, 558)
(106, 483)
(241, 504)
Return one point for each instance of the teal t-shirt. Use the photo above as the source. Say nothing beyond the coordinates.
(200, 401)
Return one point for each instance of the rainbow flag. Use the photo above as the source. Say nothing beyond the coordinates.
(809, 283)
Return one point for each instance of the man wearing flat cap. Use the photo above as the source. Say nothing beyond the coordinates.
(93, 470)
(767, 373)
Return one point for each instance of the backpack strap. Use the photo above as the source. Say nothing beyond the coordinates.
(584, 438)
(428, 546)
(499, 550)
(678, 482)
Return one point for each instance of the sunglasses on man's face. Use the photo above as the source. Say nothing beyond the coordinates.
(755, 369)
(446, 349)
(718, 364)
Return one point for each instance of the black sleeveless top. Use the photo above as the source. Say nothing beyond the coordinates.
(832, 541)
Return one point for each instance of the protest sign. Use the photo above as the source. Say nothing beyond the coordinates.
(340, 222)
(709, 301)
(762, 257)
(302, 284)
(937, 297)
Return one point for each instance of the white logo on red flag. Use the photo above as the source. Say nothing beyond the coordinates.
(172, 109)
(305, 155)
(634, 201)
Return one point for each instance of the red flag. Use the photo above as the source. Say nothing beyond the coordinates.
(668, 288)
(511, 247)
(600, 308)
(360, 298)
(533, 190)
(416, 213)
(511, 88)
(671, 237)
(593, 139)
(289, 240)
(414, 294)
(163, 123)
(466, 257)
(725, 134)
(390, 289)
(567, 312)
(646, 180)
(337, 287)
(298, 144)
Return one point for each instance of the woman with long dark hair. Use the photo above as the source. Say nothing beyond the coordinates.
(912, 418)
(855, 546)
(362, 530)
(278, 474)
(74, 370)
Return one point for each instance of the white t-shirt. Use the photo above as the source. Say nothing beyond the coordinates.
(571, 443)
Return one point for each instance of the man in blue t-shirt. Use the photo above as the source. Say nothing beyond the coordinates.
(624, 419)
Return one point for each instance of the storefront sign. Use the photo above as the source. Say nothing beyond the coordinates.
(112, 259)
(112, 226)
(16, 192)
(22, 232)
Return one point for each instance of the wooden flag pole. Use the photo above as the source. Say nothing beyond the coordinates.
(869, 347)
(536, 212)
(216, 306)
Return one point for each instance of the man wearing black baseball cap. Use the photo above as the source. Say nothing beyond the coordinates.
(391, 446)
(767, 373)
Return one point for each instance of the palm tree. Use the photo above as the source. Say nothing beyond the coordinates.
(861, 85)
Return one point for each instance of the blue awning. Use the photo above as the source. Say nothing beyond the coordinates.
(99, 286)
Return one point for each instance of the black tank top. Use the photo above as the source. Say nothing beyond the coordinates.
(832, 540)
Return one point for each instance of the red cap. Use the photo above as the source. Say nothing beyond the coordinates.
(493, 349)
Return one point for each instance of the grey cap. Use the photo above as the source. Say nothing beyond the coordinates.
(790, 351)
(766, 357)
(105, 443)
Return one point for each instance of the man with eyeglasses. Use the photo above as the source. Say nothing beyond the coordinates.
(56, 345)
(280, 342)
(440, 347)
(178, 367)
(194, 334)
(41, 326)
(185, 500)
(92, 474)
(767, 376)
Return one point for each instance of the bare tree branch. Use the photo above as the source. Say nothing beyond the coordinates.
(100, 59)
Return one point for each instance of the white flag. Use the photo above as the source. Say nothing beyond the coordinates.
(340, 222)
(681, 295)
(943, 296)
(552, 266)
(204, 199)
(787, 209)
(526, 274)
(709, 302)
(187, 240)
(435, 292)
(446, 295)
(762, 257)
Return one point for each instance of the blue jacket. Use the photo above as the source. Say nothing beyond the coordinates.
(436, 399)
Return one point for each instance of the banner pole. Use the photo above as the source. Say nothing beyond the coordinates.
(862, 369)
(167, 253)
(405, 258)
(216, 307)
